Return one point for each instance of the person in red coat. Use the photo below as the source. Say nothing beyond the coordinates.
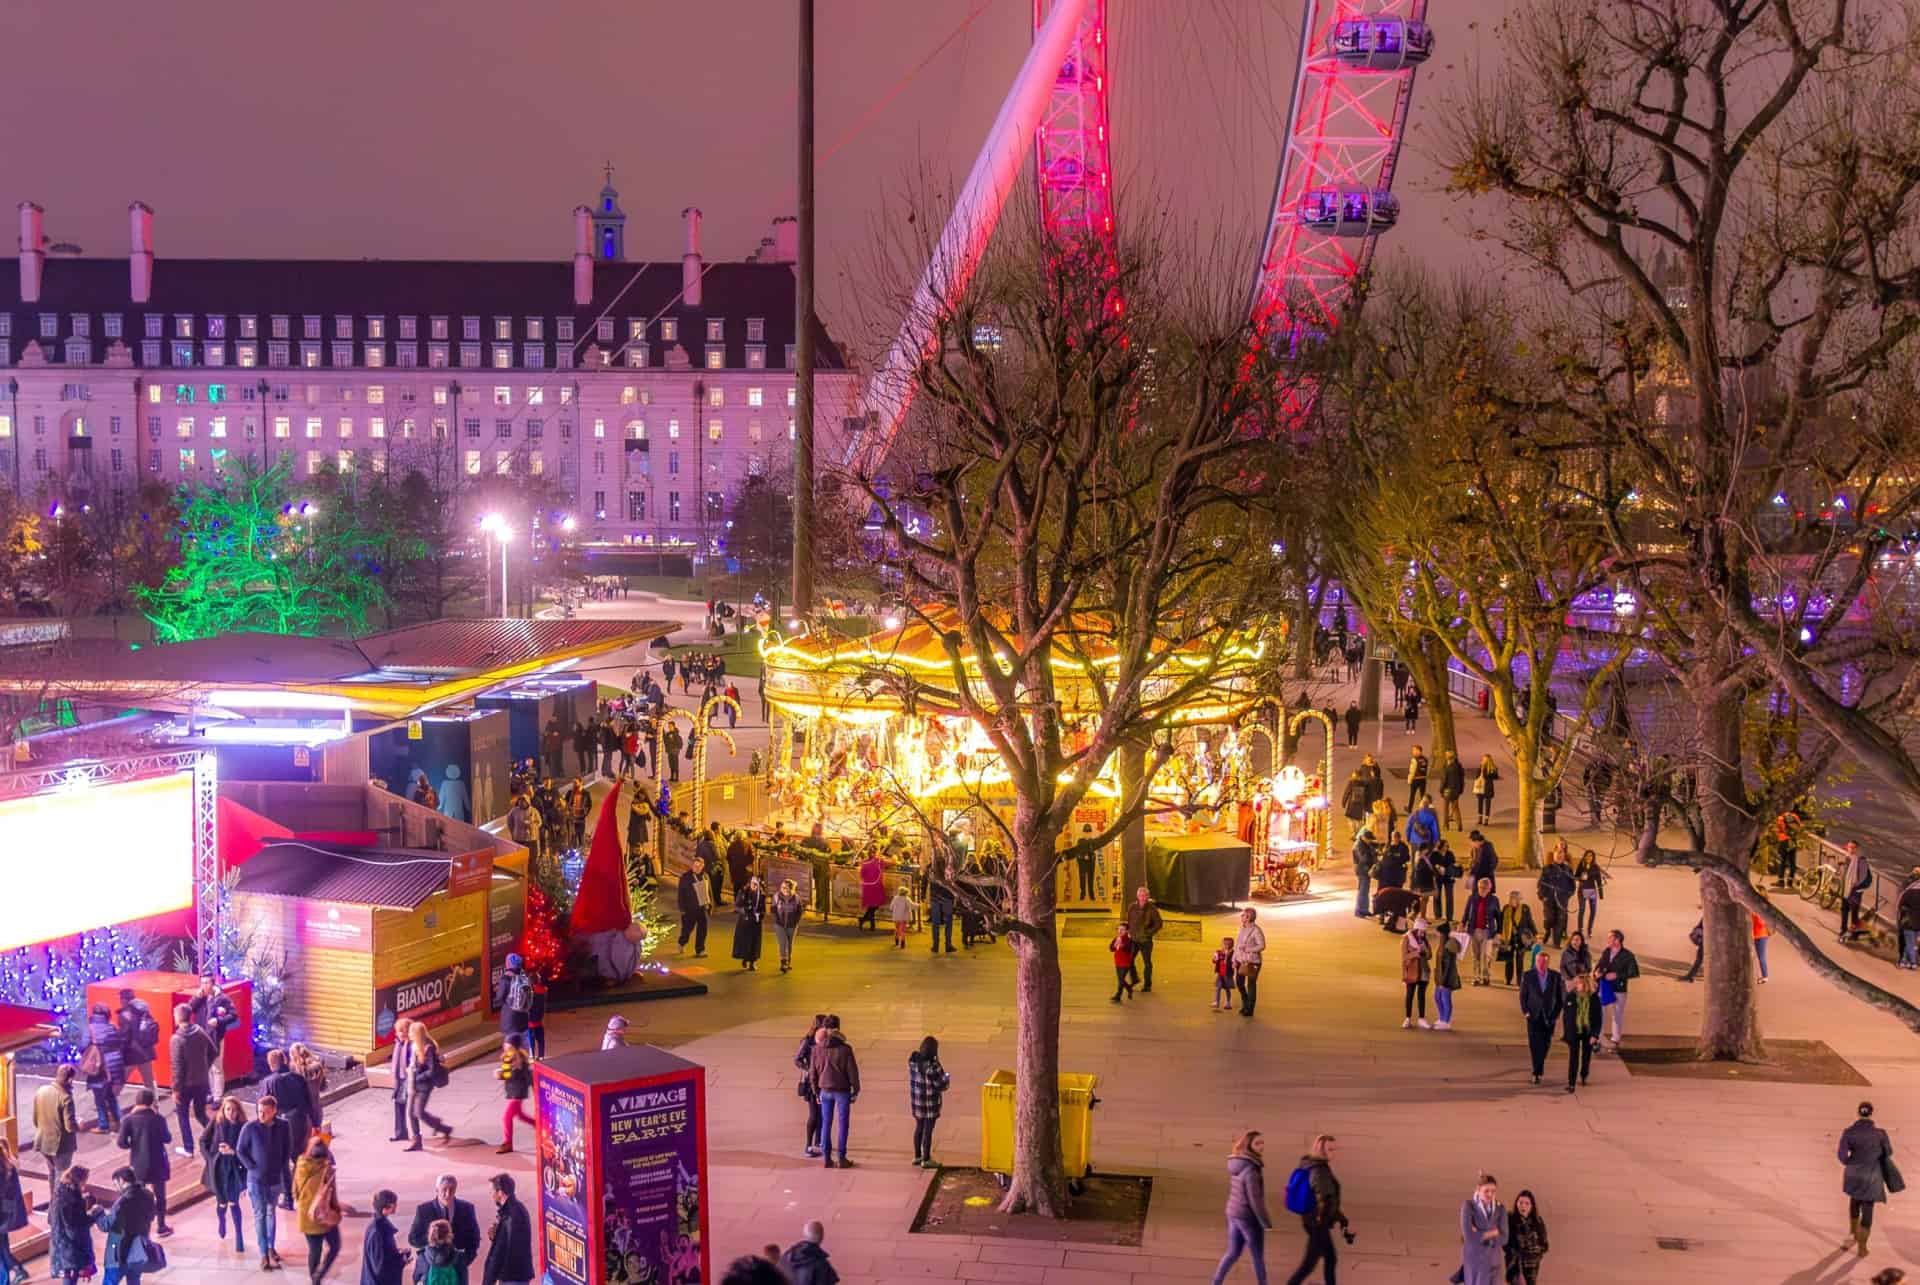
(873, 890)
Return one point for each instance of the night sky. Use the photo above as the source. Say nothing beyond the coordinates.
(469, 129)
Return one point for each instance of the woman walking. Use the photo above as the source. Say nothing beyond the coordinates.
(14, 1208)
(1590, 886)
(1249, 945)
(1577, 959)
(1483, 789)
(1416, 969)
(804, 1061)
(70, 1228)
(1760, 936)
(1516, 924)
(225, 1177)
(873, 891)
(750, 908)
(927, 1083)
(516, 1082)
(316, 1196)
(1483, 1235)
(1866, 1157)
(1247, 1219)
(1319, 1220)
(1526, 1240)
(785, 914)
(425, 1073)
(1580, 1027)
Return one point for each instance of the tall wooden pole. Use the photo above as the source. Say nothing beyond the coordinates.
(803, 341)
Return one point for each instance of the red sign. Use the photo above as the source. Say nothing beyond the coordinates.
(471, 872)
(323, 924)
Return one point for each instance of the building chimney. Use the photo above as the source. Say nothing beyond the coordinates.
(140, 251)
(786, 239)
(582, 256)
(33, 254)
(690, 265)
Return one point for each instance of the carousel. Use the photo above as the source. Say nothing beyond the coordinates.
(865, 740)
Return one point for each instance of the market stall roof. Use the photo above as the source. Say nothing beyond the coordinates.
(392, 878)
(396, 674)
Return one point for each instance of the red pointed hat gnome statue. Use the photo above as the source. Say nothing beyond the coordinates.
(603, 925)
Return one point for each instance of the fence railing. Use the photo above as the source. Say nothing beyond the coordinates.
(1881, 901)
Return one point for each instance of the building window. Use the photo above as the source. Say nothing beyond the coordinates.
(756, 396)
(473, 463)
(153, 428)
(118, 459)
(248, 354)
(669, 329)
(673, 506)
(149, 354)
(343, 355)
(407, 427)
(217, 426)
(533, 356)
(503, 356)
(153, 461)
(79, 352)
(603, 330)
(186, 459)
(436, 328)
(563, 329)
(714, 430)
(716, 329)
(503, 327)
(673, 430)
(439, 394)
(716, 358)
(277, 355)
(282, 426)
(216, 327)
(313, 426)
(376, 327)
(342, 327)
(280, 330)
(310, 356)
(216, 354)
(636, 506)
(249, 327)
(756, 357)
(309, 326)
(183, 354)
(182, 327)
(154, 321)
(110, 325)
(637, 356)
(716, 396)
(436, 356)
(599, 463)
(409, 327)
(600, 504)
(470, 355)
(346, 426)
(472, 427)
(503, 428)
(756, 329)
(536, 427)
(753, 432)
(503, 463)
(789, 357)
(376, 426)
(80, 324)
(566, 430)
(375, 355)
(715, 506)
(113, 425)
(502, 395)
(343, 460)
(673, 463)
(535, 328)
(536, 466)
(407, 356)
(469, 327)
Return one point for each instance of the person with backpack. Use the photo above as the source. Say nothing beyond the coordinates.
(513, 996)
(1247, 1220)
(316, 1195)
(294, 1094)
(1314, 1194)
(927, 1084)
(103, 1063)
(516, 1077)
(140, 1031)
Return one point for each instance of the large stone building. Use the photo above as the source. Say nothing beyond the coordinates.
(646, 392)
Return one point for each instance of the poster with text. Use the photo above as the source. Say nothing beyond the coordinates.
(651, 1187)
(562, 1121)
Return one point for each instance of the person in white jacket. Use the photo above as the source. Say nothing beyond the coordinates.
(1248, 946)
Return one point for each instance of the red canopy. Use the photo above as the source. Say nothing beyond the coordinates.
(602, 904)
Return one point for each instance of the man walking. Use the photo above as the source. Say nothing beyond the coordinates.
(1555, 890)
(290, 1090)
(56, 1125)
(694, 898)
(1324, 1212)
(144, 1137)
(265, 1152)
(1616, 968)
(1353, 723)
(1365, 856)
(1542, 996)
(1143, 922)
(834, 1074)
(140, 1032)
(1482, 861)
(510, 1243)
(1416, 778)
(447, 1205)
(191, 1053)
(1453, 783)
(1482, 922)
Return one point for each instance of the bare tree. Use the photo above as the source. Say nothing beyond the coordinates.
(1718, 199)
(1078, 446)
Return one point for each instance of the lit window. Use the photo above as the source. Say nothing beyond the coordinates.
(470, 355)
(600, 428)
(346, 426)
(217, 426)
(313, 462)
(282, 426)
(503, 357)
(637, 357)
(793, 397)
(636, 430)
(503, 464)
(436, 356)
(407, 427)
(249, 355)
(673, 430)
(473, 463)
(183, 427)
(756, 329)
(673, 506)
(439, 428)
(182, 328)
(535, 464)
(183, 354)
(563, 329)
(313, 426)
(376, 426)
(186, 459)
(343, 460)
(216, 354)
(536, 328)
(376, 356)
(503, 327)
(714, 430)
(756, 396)
(670, 330)
(437, 328)
(716, 358)
(716, 396)
(753, 431)
(280, 327)
(536, 396)
(376, 327)
(310, 356)
(716, 330)
(379, 463)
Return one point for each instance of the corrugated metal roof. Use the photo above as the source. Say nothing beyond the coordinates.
(400, 878)
(470, 646)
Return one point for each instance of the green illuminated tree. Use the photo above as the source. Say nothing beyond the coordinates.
(249, 565)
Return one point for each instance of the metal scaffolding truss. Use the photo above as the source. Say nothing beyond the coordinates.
(209, 912)
(1345, 126)
(1071, 162)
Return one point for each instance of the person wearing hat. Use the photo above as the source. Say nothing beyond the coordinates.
(513, 996)
(1867, 1175)
(616, 1036)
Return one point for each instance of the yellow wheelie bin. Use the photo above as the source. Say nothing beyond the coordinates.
(1077, 1101)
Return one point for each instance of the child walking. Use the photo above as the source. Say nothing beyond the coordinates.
(927, 1083)
(902, 911)
(1122, 948)
(1446, 974)
(1223, 976)
(517, 1076)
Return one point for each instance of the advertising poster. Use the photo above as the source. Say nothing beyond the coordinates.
(436, 997)
(489, 768)
(562, 1116)
(650, 1171)
(506, 920)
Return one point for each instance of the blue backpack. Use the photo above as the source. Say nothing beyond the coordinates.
(1300, 1191)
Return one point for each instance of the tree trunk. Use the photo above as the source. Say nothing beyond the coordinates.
(1527, 788)
(1132, 758)
(1305, 618)
(1730, 1019)
(1039, 1184)
(1432, 668)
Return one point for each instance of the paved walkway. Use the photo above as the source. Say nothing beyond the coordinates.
(1741, 1174)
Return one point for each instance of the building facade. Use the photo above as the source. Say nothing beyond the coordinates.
(645, 394)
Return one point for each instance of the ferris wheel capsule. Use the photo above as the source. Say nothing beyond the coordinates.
(1381, 44)
(1348, 212)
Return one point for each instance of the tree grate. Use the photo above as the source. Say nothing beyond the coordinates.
(1677, 1243)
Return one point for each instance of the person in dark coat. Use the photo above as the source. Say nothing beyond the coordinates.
(1542, 996)
(190, 1054)
(466, 1228)
(14, 1207)
(510, 1243)
(128, 1224)
(382, 1261)
(105, 1078)
(750, 909)
(265, 1150)
(294, 1095)
(144, 1136)
(221, 1171)
(70, 1226)
(694, 898)
(1482, 861)
(1866, 1155)
(805, 1262)
(739, 863)
(1319, 1221)
(1353, 723)
(1580, 1027)
(402, 1067)
(1453, 783)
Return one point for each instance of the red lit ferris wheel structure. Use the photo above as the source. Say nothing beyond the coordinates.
(1346, 121)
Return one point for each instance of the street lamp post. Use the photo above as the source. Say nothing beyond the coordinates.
(496, 527)
(13, 392)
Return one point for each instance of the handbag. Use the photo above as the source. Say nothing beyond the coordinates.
(1890, 1175)
(1606, 992)
(324, 1208)
(145, 1255)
